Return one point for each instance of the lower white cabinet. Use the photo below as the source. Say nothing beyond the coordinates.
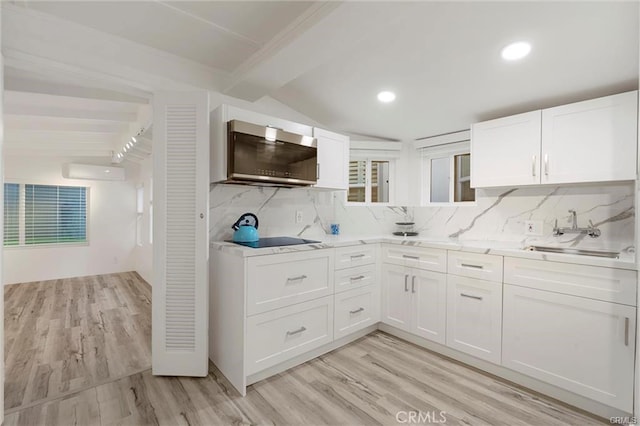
(474, 317)
(355, 310)
(275, 336)
(582, 345)
(415, 300)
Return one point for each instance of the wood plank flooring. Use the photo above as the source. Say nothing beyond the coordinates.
(69, 334)
(377, 380)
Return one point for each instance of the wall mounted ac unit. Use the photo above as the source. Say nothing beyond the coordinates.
(92, 172)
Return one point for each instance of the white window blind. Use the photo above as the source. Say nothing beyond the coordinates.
(44, 214)
(11, 214)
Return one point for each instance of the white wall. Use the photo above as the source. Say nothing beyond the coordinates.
(111, 226)
(144, 253)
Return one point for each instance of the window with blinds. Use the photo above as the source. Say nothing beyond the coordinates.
(369, 181)
(11, 214)
(45, 214)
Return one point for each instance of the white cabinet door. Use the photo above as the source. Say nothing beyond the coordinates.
(582, 345)
(396, 298)
(333, 160)
(590, 141)
(474, 317)
(429, 293)
(506, 151)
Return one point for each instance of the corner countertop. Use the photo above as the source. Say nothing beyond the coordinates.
(500, 248)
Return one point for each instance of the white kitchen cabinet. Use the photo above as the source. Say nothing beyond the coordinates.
(356, 309)
(474, 317)
(582, 345)
(278, 335)
(414, 300)
(506, 151)
(590, 141)
(333, 160)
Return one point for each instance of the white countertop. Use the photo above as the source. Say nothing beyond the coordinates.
(500, 248)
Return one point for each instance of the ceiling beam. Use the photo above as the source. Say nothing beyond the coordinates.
(36, 40)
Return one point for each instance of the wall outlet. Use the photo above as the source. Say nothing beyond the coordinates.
(532, 227)
(299, 216)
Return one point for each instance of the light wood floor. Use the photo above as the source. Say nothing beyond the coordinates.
(66, 335)
(367, 382)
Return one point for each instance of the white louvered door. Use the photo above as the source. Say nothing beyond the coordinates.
(180, 233)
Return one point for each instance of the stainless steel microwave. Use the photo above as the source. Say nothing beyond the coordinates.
(269, 156)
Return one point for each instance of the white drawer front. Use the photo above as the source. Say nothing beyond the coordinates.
(416, 257)
(347, 257)
(284, 279)
(347, 279)
(475, 265)
(607, 284)
(355, 310)
(276, 336)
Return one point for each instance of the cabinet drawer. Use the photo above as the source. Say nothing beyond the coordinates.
(283, 279)
(594, 282)
(416, 257)
(276, 336)
(347, 257)
(475, 265)
(347, 279)
(474, 317)
(355, 310)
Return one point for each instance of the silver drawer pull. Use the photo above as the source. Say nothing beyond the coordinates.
(469, 265)
(356, 311)
(406, 256)
(413, 284)
(355, 256)
(470, 296)
(301, 277)
(626, 331)
(358, 278)
(406, 287)
(300, 330)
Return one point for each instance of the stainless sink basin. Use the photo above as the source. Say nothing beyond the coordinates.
(580, 252)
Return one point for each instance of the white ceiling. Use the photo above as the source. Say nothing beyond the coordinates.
(327, 60)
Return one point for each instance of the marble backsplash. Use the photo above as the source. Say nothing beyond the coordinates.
(498, 215)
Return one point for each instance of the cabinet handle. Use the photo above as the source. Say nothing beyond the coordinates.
(301, 277)
(357, 310)
(626, 331)
(355, 256)
(358, 278)
(406, 287)
(300, 330)
(533, 166)
(546, 164)
(413, 284)
(406, 256)
(470, 296)
(317, 171)
(469, 265)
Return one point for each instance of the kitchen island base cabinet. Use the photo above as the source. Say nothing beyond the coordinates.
(474, 317)
(356, 309)
(583, 345)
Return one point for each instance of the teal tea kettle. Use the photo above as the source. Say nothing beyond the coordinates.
(246, 229)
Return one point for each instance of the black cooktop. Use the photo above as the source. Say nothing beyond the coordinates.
(275, 242)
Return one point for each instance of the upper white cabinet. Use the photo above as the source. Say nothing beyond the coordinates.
(590, 141)
(333, 160)
(506, 151)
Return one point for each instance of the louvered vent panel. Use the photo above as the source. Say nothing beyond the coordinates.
(181, 228)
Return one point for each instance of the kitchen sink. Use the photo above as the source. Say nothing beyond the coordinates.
(580, 252)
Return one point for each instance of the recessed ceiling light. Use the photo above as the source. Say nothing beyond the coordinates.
(515, 51)
(386, 96)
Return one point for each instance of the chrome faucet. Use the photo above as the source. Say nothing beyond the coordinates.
(591, 230)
